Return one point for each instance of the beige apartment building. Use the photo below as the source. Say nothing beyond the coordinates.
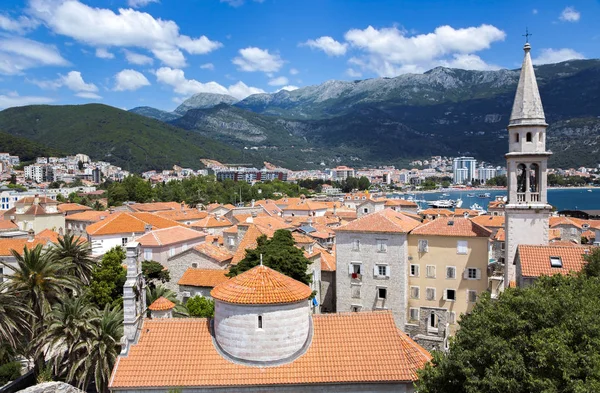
(447, 272)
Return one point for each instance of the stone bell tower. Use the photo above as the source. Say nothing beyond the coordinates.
(527, 210)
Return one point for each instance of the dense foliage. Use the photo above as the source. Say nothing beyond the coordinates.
(278, 253)
(197, 190)
(201, 307)
(26, 150)
(544, 338)
(154, 271)
(497, 181)
(108, 278)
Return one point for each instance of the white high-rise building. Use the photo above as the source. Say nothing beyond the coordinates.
(485, 173)
(463, 169)
(527, 211)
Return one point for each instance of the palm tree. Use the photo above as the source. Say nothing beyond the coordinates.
(98, 206)
(13, 316)
(78, 254)
(153, 293)
(101, 348)
(40, 281)
(71, 321)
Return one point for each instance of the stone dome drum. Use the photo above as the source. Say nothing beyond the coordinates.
(262, 317)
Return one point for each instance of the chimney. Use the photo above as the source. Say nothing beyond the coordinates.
(111, 210)
(254, 214)
(147, 228)
(30, 236)
(252, 203)
(182, 206)
(36, 199)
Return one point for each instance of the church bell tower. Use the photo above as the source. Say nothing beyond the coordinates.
(527, 210)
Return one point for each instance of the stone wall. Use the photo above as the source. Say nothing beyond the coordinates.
(51, 387)
(327, 291)
(429, 338)
(179, 263)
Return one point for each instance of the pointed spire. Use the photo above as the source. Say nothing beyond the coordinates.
(527, 108)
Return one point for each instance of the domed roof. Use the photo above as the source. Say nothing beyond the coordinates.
(261, 285)
(161, 304)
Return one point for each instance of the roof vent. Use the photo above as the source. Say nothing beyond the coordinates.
(556, 262)
(451, 222)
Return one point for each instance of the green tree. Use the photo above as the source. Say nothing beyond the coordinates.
(544, 338)
(108, 278)
(363, 183)
(279, 253)
(497, 181)
(154, 271)
(117, 194)
(60, 198)
(201, 307)
(153, 293)
(98, 206)
(76, 253)
(592, 266)
(14, 315)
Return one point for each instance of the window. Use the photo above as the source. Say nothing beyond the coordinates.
(516, 137)
(433, 321)
(1, 274)
(472, 274)
(528, 137)
(430, 271)
(502, 246)
(171, 251)
(556, 262)
(355, 308)
(381, 245)
(195, 265)
(414, 292)
(184, 247)
(573, 231)
(450, 294)
(366, 210)
(452, 317)
(231, 241)
(462, 247)
(414, 270)
(260, 322)
(423, 246)
(148, 254)
(124, 241)
(450, 272)
(355, 245)
(354, 268)
(471, 296)
(382, 293)
(414, 314)
(430, 293)
(381, 271)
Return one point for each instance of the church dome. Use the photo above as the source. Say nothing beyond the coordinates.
(262, 317)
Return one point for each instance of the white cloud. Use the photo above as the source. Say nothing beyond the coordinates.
(389, 51)
(288, 88)
(137, 58)
(140, 3)
(176, 79)
(294, 71)
(21, 25)
(14, 99)
(127, 28)
(130, 80)
(255, 59)
(73, 81)
(89, 96)
(328, 45)
(279, 81)
(208, 66)
(549, 55)
(18, 54)
(351, 72)
(570, 14)
(103, 53)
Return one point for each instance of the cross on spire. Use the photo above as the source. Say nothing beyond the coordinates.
(526, 35)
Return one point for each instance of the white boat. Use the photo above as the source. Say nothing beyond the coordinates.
(478, 209)
(458, 203)
(485, 195)
(445, 194)
(470, 195)
(441, 203)
(589, 190)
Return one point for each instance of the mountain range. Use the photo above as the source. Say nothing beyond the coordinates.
(378, 121)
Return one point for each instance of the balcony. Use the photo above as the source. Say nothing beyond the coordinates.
(525, 197)
(534, 196)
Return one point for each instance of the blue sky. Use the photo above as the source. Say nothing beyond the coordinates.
(129, 53)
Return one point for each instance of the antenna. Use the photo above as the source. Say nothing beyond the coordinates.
(527, 35)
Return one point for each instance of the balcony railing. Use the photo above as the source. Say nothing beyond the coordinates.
(528, 197)
(534, 196)
(520, 197)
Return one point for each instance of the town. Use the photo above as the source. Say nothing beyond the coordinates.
(270, 293)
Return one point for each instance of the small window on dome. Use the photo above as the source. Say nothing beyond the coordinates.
(529, 137)
(517, 137)
(260, 325)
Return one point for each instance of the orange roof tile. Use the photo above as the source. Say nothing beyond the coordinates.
(248, 242)
(41, 199)
(45, 237)
(400, 202)
(261, 285)
(328, 263)
(203, 277)
(69, 207)
(535, 260)
(489, 221)
(385, 221)
(301, 238)
(211, 221)
(345, 348)
(161, 304)
(436, 212)
(155, 206)
(182, 215)
(305, 205)
(496, 205)
(48, 235)
(7, 225)
(555, 221)
(500, 235)
(461, 212)
(452, 226)
(88, 216)
(125, 222)
(215, 252)
(554, 234)
(167, 236)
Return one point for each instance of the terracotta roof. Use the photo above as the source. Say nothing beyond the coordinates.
(301, 238)
(305, 205)
(155, 206)
(182, 215)
(400, 202)
(48, 235)
(556, 221)
(248, 242)
(489, 221)
(211, 221)
(588, 234)
(161, 304)
(500, 235)
(172, 235)
(452, 226)
(436, 212)
(385, 221)
(328, 260)
(564, 243)
(269, 206)
(69, 207)
(345, 348)
(554, 234)
(203, 277)
(496, 204)
(535, 260)
(470, 213)
(7, 225)
(88, 216)
(261, 285)
(41, 199)
(218, 253)
(43, 238)
(38, 210)
(125, 222)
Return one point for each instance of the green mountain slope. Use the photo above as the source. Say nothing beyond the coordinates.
(125, 139)
(25, 149)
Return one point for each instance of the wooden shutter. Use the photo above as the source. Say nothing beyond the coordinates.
(375, 270)
(387, 271)
(350, 269)
(478, 274)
